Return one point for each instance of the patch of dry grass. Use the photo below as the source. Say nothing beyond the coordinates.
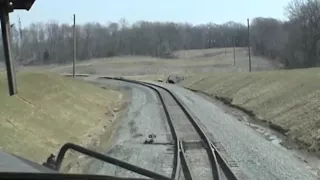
(148, 77)
(51, 110)
(287, 98)
(188, 63)
(198, 53)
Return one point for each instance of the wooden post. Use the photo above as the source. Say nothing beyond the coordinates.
(74, 46)
(20, 40)
(225, 51)
(249, 50)
(225, 48)
(6, 38)
(234, 51)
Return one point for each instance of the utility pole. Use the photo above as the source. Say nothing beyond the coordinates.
(249, 51)
(225, 48)
(225, 51)
(20, 28)
(74, 46)
(20, 39)
(234, 51)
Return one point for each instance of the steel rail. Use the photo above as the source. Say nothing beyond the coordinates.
(205, 139)
(215, 158)
(179, 155)
(177, 160)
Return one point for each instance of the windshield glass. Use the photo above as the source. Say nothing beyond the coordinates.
(199, 89)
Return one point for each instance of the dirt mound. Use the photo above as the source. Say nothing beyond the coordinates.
(174, 79)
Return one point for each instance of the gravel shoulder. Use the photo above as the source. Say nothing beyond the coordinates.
(256, 156)
(143, 117)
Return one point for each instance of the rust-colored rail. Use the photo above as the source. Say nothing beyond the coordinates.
(216, 159)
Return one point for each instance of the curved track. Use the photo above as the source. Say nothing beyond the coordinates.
(192, 144)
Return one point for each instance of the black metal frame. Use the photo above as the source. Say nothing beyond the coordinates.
(58, 176)
(105, 158)
(6, 38)
(7, 6)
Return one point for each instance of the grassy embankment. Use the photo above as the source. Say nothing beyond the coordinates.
(51, 110)
(288, 99)
(187, 62)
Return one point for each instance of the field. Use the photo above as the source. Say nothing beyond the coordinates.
(187, 63)
(288, 99)
(51, 110)
(47, 103)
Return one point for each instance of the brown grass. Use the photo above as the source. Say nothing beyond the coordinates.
(51, 110)
(287, 98)
(188, 63)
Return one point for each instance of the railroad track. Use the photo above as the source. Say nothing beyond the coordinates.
(196, 157)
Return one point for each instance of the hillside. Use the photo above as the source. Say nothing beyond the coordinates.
(288, 99)
(51, 110)
(187, 62)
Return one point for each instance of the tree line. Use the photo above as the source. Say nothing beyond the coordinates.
(293, 42)
(44, 43)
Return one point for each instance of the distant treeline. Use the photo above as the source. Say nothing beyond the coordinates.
(53, 43)
(293, 42)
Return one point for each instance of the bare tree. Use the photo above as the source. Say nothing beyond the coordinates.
(51, 42)
(305, 15)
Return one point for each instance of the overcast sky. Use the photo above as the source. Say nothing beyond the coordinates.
(193, 11)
